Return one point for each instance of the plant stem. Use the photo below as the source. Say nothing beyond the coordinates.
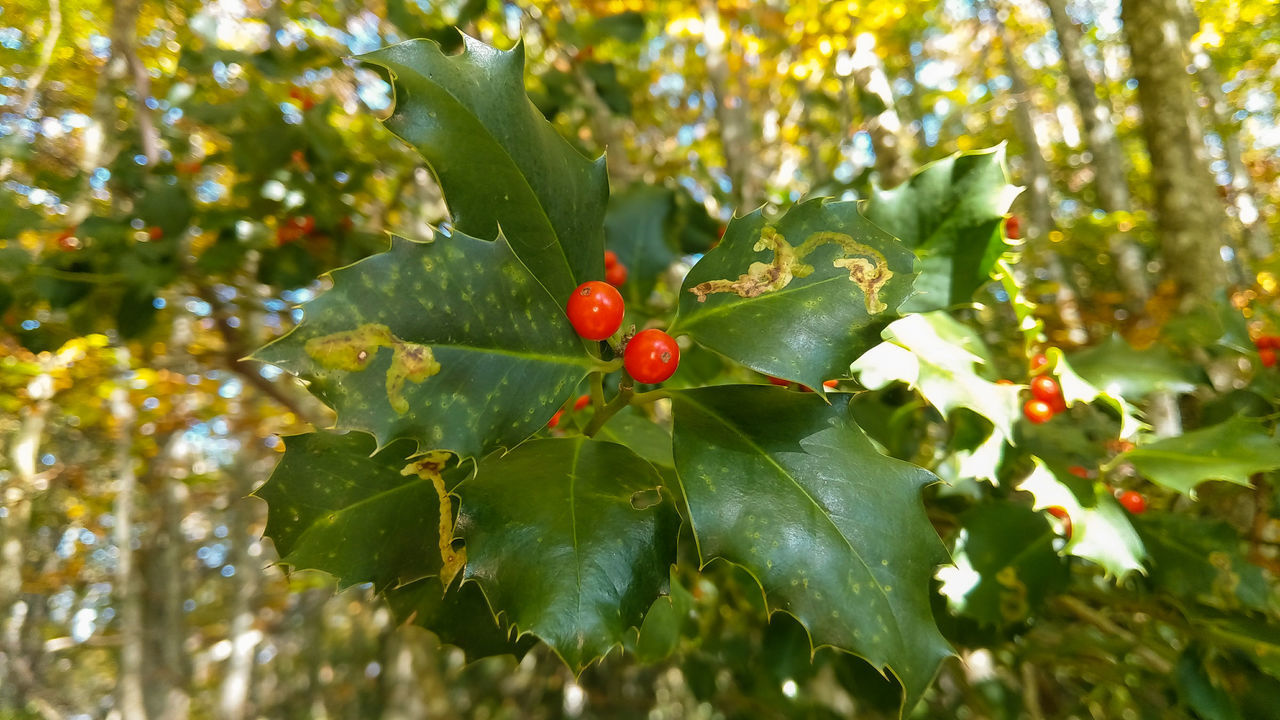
(648, 397)
(597, 391)
(621, 400)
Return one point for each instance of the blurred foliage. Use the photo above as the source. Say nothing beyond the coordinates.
(131, 287)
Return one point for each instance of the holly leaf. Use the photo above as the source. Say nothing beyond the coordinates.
(799, 298)
(498, 160)
(950, 213)
(646, 438)
(636, 229)
(1122, 371)
(566, 540)
(1229, 451)
(943, 356)
(1005, 564)
(337, 503)
(1076, 389)
(792, 490)
(1199, 559)
(452, 343)
(459, 617)
(1259, 640)
(1101, 531)
(660, 634)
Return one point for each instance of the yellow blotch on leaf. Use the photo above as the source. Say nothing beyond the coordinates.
(354, 350)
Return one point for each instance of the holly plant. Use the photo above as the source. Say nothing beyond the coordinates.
(525, 452)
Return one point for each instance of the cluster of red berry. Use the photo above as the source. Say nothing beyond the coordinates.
(582, 401)
(615, 273)
(828, 384)
(1131, 500)
(1267, 346)
(295, 228)
(1046, 395)
(595, 310)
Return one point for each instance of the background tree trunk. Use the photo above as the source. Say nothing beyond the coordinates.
(1106, 155)
(130, 701)
(1189, 216)
(1038, 183)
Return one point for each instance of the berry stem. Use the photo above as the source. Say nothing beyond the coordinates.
(619, 401)
(647, 397)
(597, 391)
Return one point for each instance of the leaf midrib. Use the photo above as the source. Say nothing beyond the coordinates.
(785, 473)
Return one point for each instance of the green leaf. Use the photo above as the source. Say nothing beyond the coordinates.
(800, 298)
(555, 539)
(660, 633)
(452, 343)
(636, 229)
(334, 504)
(498, 160)
(1230, 451)
(459, 617)
(1200, 559)
(646, 438)
(791, 489)
(1197, 690)
(939, 360)
(1122, 371)
(1101, 531)
(950, 213)
(1076, 389)
(1258, 639)
(1005, 564)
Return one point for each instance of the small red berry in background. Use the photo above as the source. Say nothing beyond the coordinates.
(154, 232)
(1267, 342)
(1044, 387)
(1012, 228)
(1078, 471)
(651, 357)
(1038, 361)
(720, 232)
(1037, 411)
(610, 259)
(1133, 501)
(555, 419)
(615, 275)
(1268, 357)
(595, 310)
(779, 381)
(1061, 513)
(830, 384)
(581, 402)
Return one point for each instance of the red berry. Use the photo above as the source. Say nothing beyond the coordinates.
(595, 310)
(581, 402)
(1012, 228)
(651, 356)
(1038, 361)
(1037, 411)
(1061, 513)
(1267, 342)
(610, 259)
(555, 419)
(154, 232)
(1133, 501)
(1044, 387)
(1268, 357)
(1078, 471)
(830, 384)
(779, 381)
(615, 274)
(720, 232)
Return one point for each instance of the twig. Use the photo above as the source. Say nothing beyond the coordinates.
(235, 351)
(1158, 662)
(124, 26)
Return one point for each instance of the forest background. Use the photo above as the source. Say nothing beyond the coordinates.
(174, 177)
